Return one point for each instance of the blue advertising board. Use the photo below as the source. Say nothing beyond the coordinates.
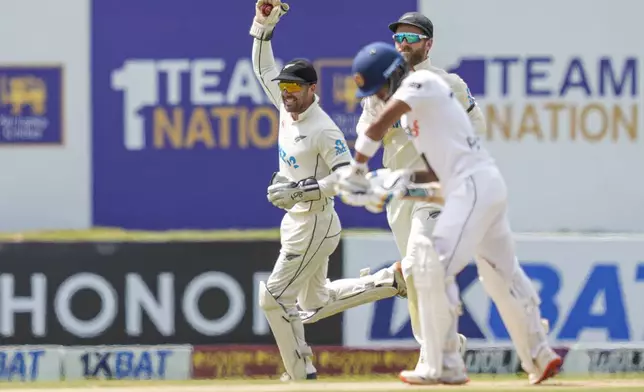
(31, 104)
(184, 136)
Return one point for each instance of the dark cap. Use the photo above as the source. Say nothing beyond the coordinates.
(298, 70)
(415, 19)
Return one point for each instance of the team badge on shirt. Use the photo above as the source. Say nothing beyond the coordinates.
(340, 147)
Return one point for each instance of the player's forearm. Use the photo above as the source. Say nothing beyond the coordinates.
(369, 142)
(265, 69)
(327, 185)
(423, 177)
(263, 59)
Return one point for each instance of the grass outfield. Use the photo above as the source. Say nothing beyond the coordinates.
(115, 234)
(109, 234)
(634, 382)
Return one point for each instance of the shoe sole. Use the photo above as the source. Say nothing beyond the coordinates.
(460, 382)
(410, 382)
(551, 370)
(432, 382)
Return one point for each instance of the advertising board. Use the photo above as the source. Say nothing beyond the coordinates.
(45, 115)
(142, 293)
(184, 136)
(563, 106)
(590, 287)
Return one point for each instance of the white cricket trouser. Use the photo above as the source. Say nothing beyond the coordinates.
(300, 273)
(474, 222)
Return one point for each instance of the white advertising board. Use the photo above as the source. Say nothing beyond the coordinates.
(606, 359)
(30, 363)
(44, 115)
(591, 289)
(560, 84)
(128, 362)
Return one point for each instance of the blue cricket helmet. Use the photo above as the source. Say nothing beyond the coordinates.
(374, 65)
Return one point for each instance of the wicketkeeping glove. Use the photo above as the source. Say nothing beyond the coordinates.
(286, 194)
(263, 25)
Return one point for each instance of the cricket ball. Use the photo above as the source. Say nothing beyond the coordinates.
(266, 9)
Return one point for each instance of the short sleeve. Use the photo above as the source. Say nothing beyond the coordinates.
(414, 89)
(332, 147)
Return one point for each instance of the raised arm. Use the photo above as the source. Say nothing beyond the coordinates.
(265, 70)
(262, 32)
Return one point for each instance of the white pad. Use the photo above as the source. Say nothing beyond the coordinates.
(349, 293)
(436, 313)
(364, 297)
(518, 305)
(293, 353)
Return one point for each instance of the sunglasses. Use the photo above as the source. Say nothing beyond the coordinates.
(411, 38)
(290, 87)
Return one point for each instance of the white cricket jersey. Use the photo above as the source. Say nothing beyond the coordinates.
(311, 146)
(399, 152)
(440, 129)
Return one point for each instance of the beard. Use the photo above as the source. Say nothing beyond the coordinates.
(414, 57)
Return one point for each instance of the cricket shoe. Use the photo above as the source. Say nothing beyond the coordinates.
(548, 364)
(414, 378)
(286, 378)
(399, 280)
(454, 377)
(449, 377)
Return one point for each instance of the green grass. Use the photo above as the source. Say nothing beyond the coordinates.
(107, 234)
(358, 384)
(113, 234)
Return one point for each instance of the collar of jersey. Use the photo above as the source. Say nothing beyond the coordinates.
(425, 64)
(308, 110)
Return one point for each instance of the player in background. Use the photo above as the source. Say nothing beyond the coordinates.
(311, 149)
(473, 222)
(413, 38)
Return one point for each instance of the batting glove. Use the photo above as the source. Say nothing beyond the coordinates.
(386, 185)
(352, 185)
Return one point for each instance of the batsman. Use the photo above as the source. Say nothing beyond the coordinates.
(413, 36)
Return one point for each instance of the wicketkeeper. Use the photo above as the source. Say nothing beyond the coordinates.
(311, 149)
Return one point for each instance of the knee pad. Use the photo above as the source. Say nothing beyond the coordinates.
(266, 300)
(288, 332)
(435, 303)
(421, 254)
(426, 265)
